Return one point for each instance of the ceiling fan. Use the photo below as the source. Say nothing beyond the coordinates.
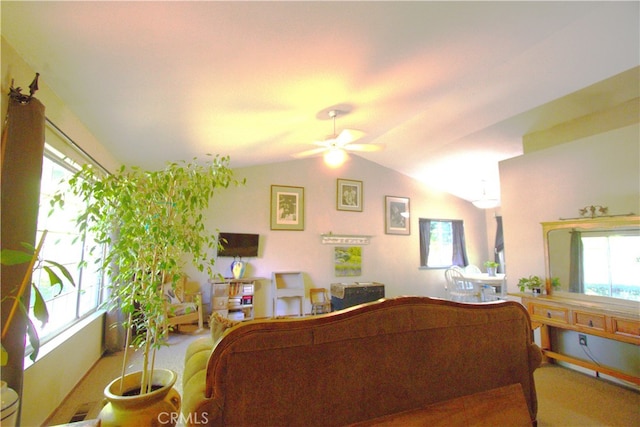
(339, 143)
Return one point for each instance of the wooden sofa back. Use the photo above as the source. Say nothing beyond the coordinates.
(368, 361)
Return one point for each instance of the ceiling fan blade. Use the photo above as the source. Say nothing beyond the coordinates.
(311, 152)
(347, 136)
(363, 147)
(327, 143)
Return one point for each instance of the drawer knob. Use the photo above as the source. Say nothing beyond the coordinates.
(549, 314)
(590, 322)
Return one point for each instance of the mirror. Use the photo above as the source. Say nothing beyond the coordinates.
(597, 257)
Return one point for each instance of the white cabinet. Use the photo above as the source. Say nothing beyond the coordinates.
(233, 298)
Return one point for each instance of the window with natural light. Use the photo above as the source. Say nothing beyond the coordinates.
(65, 245)
(441, 243)
(612, 265)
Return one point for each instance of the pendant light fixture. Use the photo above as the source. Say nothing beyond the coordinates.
(485, 202)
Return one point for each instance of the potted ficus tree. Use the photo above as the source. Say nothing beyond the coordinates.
(149, 221)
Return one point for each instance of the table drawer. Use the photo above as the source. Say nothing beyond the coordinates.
(549, 312)
(627, 327)
(589, 320)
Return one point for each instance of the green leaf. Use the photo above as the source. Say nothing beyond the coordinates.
(63, 270)
(4, 356)
(12, 257)
(32, 333)
(40, 307)
(34, 340)
(53, 278)
(29, 247)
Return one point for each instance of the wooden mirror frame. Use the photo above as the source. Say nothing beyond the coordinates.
(599, 223)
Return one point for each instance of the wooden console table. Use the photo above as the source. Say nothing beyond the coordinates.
(619, 323)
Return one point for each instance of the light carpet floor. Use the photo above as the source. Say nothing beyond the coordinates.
(566, 398)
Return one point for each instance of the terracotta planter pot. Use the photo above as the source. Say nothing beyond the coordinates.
(161, 407)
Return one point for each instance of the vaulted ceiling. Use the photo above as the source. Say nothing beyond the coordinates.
(448, 88)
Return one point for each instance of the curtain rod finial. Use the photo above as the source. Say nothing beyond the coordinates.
(33, 87)
(15, 93)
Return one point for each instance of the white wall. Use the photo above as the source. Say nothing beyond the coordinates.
(60, 367)
(603, 169)
(390, 259)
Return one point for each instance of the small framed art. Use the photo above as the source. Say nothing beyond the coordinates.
(349, 195)
(287, 208)
(397, 215)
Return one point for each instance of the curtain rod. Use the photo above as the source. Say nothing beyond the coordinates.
(77, 147)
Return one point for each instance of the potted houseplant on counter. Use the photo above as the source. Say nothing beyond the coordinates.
(148, 220)
(535, 284)
(492, 267)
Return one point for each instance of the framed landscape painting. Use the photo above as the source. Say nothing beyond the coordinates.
(397, 214)
(287, 208)
(349, 195)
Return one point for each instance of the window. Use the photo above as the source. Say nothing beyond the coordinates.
(442, 243)
(65, 245)
(612, 265)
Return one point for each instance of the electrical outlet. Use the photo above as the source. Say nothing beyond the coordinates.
(582, 339)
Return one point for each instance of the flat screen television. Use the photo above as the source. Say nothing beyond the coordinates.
(238, 245)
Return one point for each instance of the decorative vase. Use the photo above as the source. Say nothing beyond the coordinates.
(10, 405)
(238, 268)
(491, 271)
(160, 407)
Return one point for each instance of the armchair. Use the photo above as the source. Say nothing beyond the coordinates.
(183, 304)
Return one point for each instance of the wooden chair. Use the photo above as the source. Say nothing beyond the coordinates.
(183, 304)
(320, 302)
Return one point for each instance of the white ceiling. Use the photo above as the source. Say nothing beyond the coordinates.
(449, 88)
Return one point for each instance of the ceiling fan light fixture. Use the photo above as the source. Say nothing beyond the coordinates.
(335, 157)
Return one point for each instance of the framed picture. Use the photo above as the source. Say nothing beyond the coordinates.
(349, 195)
(397, 215)
(348, 261)
(287, 208)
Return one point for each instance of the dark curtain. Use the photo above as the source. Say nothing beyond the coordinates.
(425, 238)
(576, 276)
(459, 246)
(499, 245)
(22, 151)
